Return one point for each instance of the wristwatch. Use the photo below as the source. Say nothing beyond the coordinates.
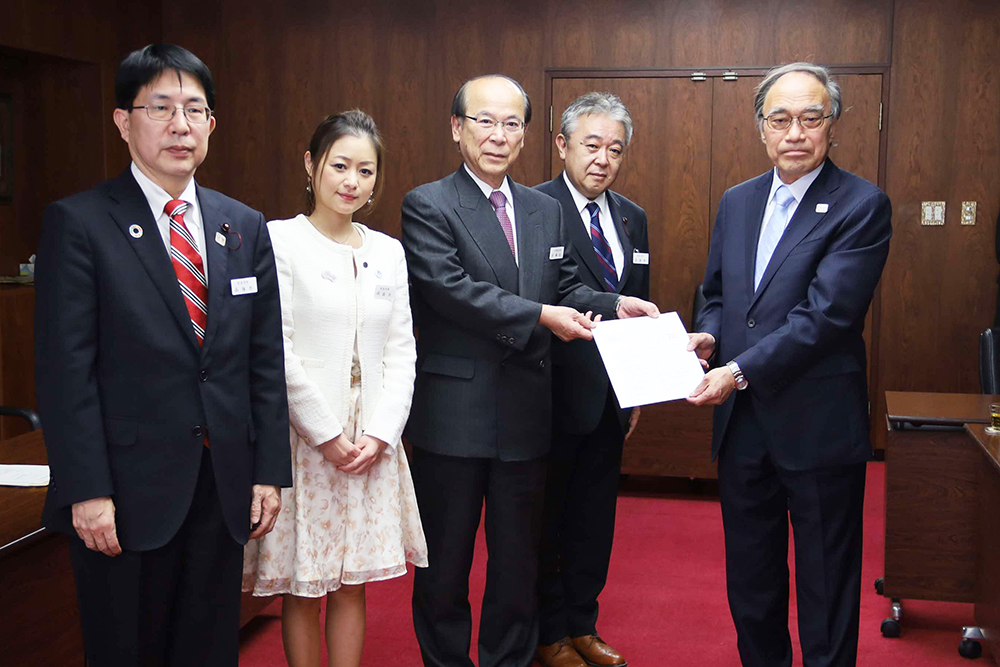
(741, 382)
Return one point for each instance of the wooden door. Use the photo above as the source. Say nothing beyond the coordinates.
(692, 141)
(665, 171)
(738, 153)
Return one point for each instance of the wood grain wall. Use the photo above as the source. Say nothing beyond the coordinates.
(280, 67)
(58, 59)
(939, 287)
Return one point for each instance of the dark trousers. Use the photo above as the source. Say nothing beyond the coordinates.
(825, 507)
(451, 491)
(581, 496)
(178, 605)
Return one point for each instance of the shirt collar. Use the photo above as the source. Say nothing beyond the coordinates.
(157, 197)
(489, 189)
(799, 187)
(581, 201)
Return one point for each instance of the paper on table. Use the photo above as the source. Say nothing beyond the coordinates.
(647, 359)
(24, 475)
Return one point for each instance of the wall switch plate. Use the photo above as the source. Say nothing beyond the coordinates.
(968, 213)
(932, 213)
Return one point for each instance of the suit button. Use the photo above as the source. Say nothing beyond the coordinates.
(510, 340)
(197, 431)
(751, 323)
(541, 364)
(203, 375)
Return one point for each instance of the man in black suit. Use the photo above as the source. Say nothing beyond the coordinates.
(610, 245)
(492, 279)
(160, 381)
(795, 257)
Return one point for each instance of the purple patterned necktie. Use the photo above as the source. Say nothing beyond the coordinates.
(499, 202)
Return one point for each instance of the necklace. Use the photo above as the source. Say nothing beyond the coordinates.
(322, 231)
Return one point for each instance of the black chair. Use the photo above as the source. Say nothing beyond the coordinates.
(24, 413)
(989, 356)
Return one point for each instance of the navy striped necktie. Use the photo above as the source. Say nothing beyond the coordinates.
(602, 248)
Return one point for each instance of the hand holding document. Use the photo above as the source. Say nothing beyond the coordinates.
(24, 475)
(647, 359)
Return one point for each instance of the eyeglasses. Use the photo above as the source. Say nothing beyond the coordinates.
(194, 113)
(509, 126)
(779, 122)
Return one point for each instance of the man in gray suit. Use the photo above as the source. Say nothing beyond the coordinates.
(492, 280)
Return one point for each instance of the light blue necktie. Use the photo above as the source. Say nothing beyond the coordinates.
(772, 232)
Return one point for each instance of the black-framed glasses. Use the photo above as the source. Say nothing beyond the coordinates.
(194, 113)
(779, 122)
(510, 126)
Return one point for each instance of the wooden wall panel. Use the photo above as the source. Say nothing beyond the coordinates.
(287, 66)
(939, 286)
(284, 67)
(717, 33)
(58, 58)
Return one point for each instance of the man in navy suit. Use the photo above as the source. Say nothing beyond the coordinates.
(609, 242)
(795, 257)
(160, 379)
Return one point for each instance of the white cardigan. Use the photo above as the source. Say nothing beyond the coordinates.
(322, 305)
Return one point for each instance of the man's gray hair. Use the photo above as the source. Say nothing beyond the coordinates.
(605, 104)
(821, 74)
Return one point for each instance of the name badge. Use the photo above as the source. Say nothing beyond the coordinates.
(556, 252)
(383, 292)
(822, 208)
(640, 257)
(244, 285)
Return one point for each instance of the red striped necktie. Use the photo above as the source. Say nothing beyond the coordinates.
(188, 266)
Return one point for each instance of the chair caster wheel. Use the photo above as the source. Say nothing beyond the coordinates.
(970, 648)
(879, 585)
(891, 628)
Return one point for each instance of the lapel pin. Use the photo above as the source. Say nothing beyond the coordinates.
(220, 238)
(135, 231)
(378, 273)
(225, 227)
(822, 208)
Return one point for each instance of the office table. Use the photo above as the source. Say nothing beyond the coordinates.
(39, 619)
(933, 478)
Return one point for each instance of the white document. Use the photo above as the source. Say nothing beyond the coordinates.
(24, 475)
(647, 359)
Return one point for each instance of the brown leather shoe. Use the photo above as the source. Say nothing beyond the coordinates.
(596, 653)
(560, 654)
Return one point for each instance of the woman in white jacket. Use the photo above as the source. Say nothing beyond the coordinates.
(351, 516)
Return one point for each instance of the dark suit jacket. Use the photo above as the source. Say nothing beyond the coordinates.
(124, 390)
(483, 386)
(579, 382)
(798, 339)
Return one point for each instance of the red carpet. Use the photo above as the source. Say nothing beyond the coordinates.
(665, 602)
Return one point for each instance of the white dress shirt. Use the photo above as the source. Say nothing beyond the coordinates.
(157, 198)
(798, 190)
(607, 224)
(509, 206)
